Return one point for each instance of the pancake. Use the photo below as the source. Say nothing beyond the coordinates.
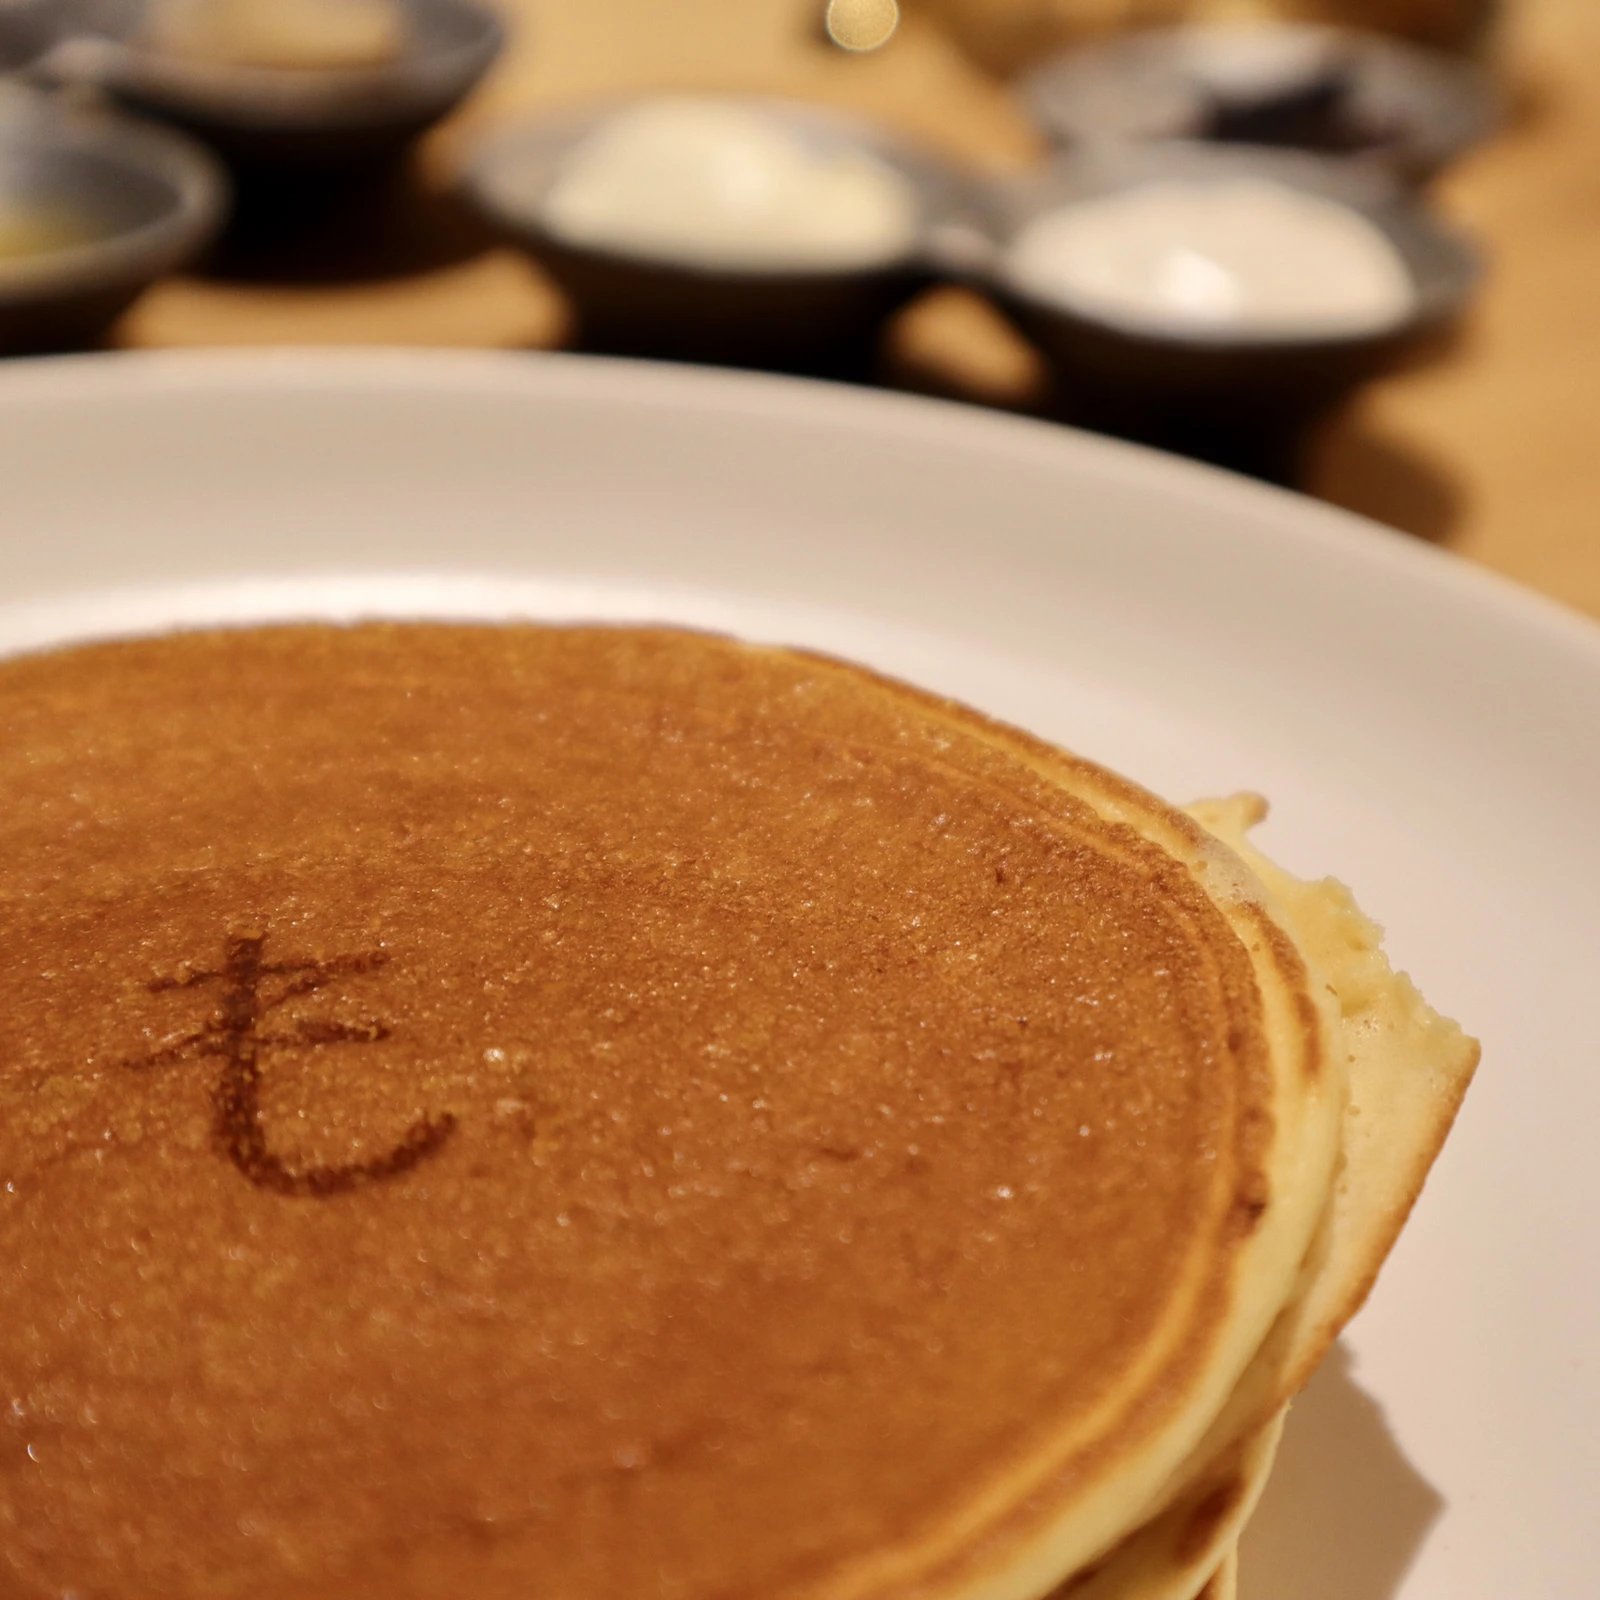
(1409, 1070)
(1224, 1582)
(630, 1107)
(1177, 1555)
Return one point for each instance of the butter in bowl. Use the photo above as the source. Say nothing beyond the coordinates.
(718, 227)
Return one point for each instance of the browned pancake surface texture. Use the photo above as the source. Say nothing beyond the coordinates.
(603, 1109)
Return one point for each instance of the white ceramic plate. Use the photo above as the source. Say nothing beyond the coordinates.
(1425, 732)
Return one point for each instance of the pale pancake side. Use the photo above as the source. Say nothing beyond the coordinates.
(1409, 1071)
(1171, 1557)
(1223, 1584)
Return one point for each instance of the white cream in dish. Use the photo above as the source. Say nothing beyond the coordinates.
(1245, 256)
(711, 184)
(290, 34)
(1246, 61)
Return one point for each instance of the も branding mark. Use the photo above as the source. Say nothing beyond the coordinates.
(251, 989)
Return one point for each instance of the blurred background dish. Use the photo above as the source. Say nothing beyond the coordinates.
(737, 229)
(282, 88)
(1479, 440)
(27, 29)
(1008, 36)
(93, 209)
(1316, 88)
(1218, 299)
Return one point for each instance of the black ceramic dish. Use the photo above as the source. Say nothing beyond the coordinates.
(1295, 85)
(148, 200)
(1223, 394)
(283, 122)
(805, 319)
(27, 29)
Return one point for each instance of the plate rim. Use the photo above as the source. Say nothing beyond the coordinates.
(1359, 542)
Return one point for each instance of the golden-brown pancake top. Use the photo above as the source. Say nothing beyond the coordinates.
(605, 1109)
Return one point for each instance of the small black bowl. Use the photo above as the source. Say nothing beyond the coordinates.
(1227, 394)
(279, 122)
(801, 319)
(148, 201)
(27, 29)
(1286, 84)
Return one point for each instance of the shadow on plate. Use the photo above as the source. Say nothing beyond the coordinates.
(1345, 1513)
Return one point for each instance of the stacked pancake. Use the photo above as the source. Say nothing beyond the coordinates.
(590, 1112)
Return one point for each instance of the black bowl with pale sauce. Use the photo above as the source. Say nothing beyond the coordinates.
(111, 204)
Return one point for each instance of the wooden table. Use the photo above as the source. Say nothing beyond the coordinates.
(1493, 448)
